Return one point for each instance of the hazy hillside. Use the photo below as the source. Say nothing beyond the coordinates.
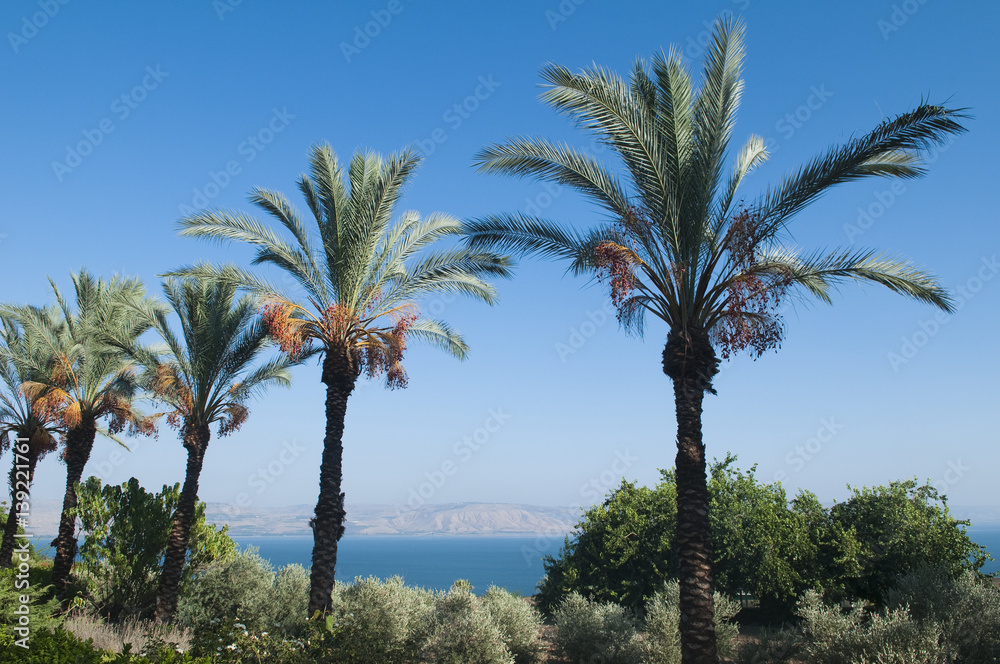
(446, 519)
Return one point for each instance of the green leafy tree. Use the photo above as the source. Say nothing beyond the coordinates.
(127, 531)
(85, 379)
(362, 276)
(684, 247)
(901, 528)
(626, 548)
(205, 377)
(25, 425)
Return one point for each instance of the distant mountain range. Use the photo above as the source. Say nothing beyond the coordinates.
(444, 519)
(362, 519)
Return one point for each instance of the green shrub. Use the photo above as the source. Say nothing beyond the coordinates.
(244, 587)
(291, 599)
(833, 636)
(463, 632)
(519, 623)
(42, 607)
(594, 632)
(382, 622)
(126, 530)
(966, 609)
(661, 627)
(61, 647)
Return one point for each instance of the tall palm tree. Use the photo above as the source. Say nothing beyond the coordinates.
(684, 248)
(205, 377)
(362, 276)
(86, 380)
(34, 428)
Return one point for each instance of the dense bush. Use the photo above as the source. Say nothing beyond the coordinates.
(661, 627)
(856, 636)
(625, 548)
(61, 647)
(382, 622)
(966, 609)
(126, 530)
(246, 588)
(463, 631)
(42, 606)
(519, 623)
(589, 631)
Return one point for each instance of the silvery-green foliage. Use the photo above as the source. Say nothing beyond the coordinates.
(594, 632)
(519, 623)
(661, 628)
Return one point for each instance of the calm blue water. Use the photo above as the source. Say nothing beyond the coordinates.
(433, 562)
(990, 538)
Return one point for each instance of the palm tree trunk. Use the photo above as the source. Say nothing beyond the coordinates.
(10, 529)
(690, 361)
(79, 443)
(196, 441)
(339, 376)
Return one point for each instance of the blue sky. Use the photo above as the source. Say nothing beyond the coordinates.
(119, 117)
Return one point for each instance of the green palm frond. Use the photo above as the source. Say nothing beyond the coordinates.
(557, 163)
(818, 271)
(361, 271)
(890, 150)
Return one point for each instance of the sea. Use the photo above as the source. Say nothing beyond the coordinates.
(436, 562)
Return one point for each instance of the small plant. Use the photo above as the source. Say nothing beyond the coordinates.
(593, 632)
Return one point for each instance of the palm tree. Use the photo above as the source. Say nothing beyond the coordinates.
(362, 277)
(86, 380)
(682, 247)
(205, 378)
(34, 428)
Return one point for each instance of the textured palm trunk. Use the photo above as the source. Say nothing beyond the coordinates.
(690, 361)
(339, 376)
(196, 442)
(79, 443)
(10, 529)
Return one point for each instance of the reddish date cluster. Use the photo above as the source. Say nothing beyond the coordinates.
(752, 318)
(283, 328)
(374, 351)
(614, 263)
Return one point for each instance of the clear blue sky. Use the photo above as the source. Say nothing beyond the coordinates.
(163, 95)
